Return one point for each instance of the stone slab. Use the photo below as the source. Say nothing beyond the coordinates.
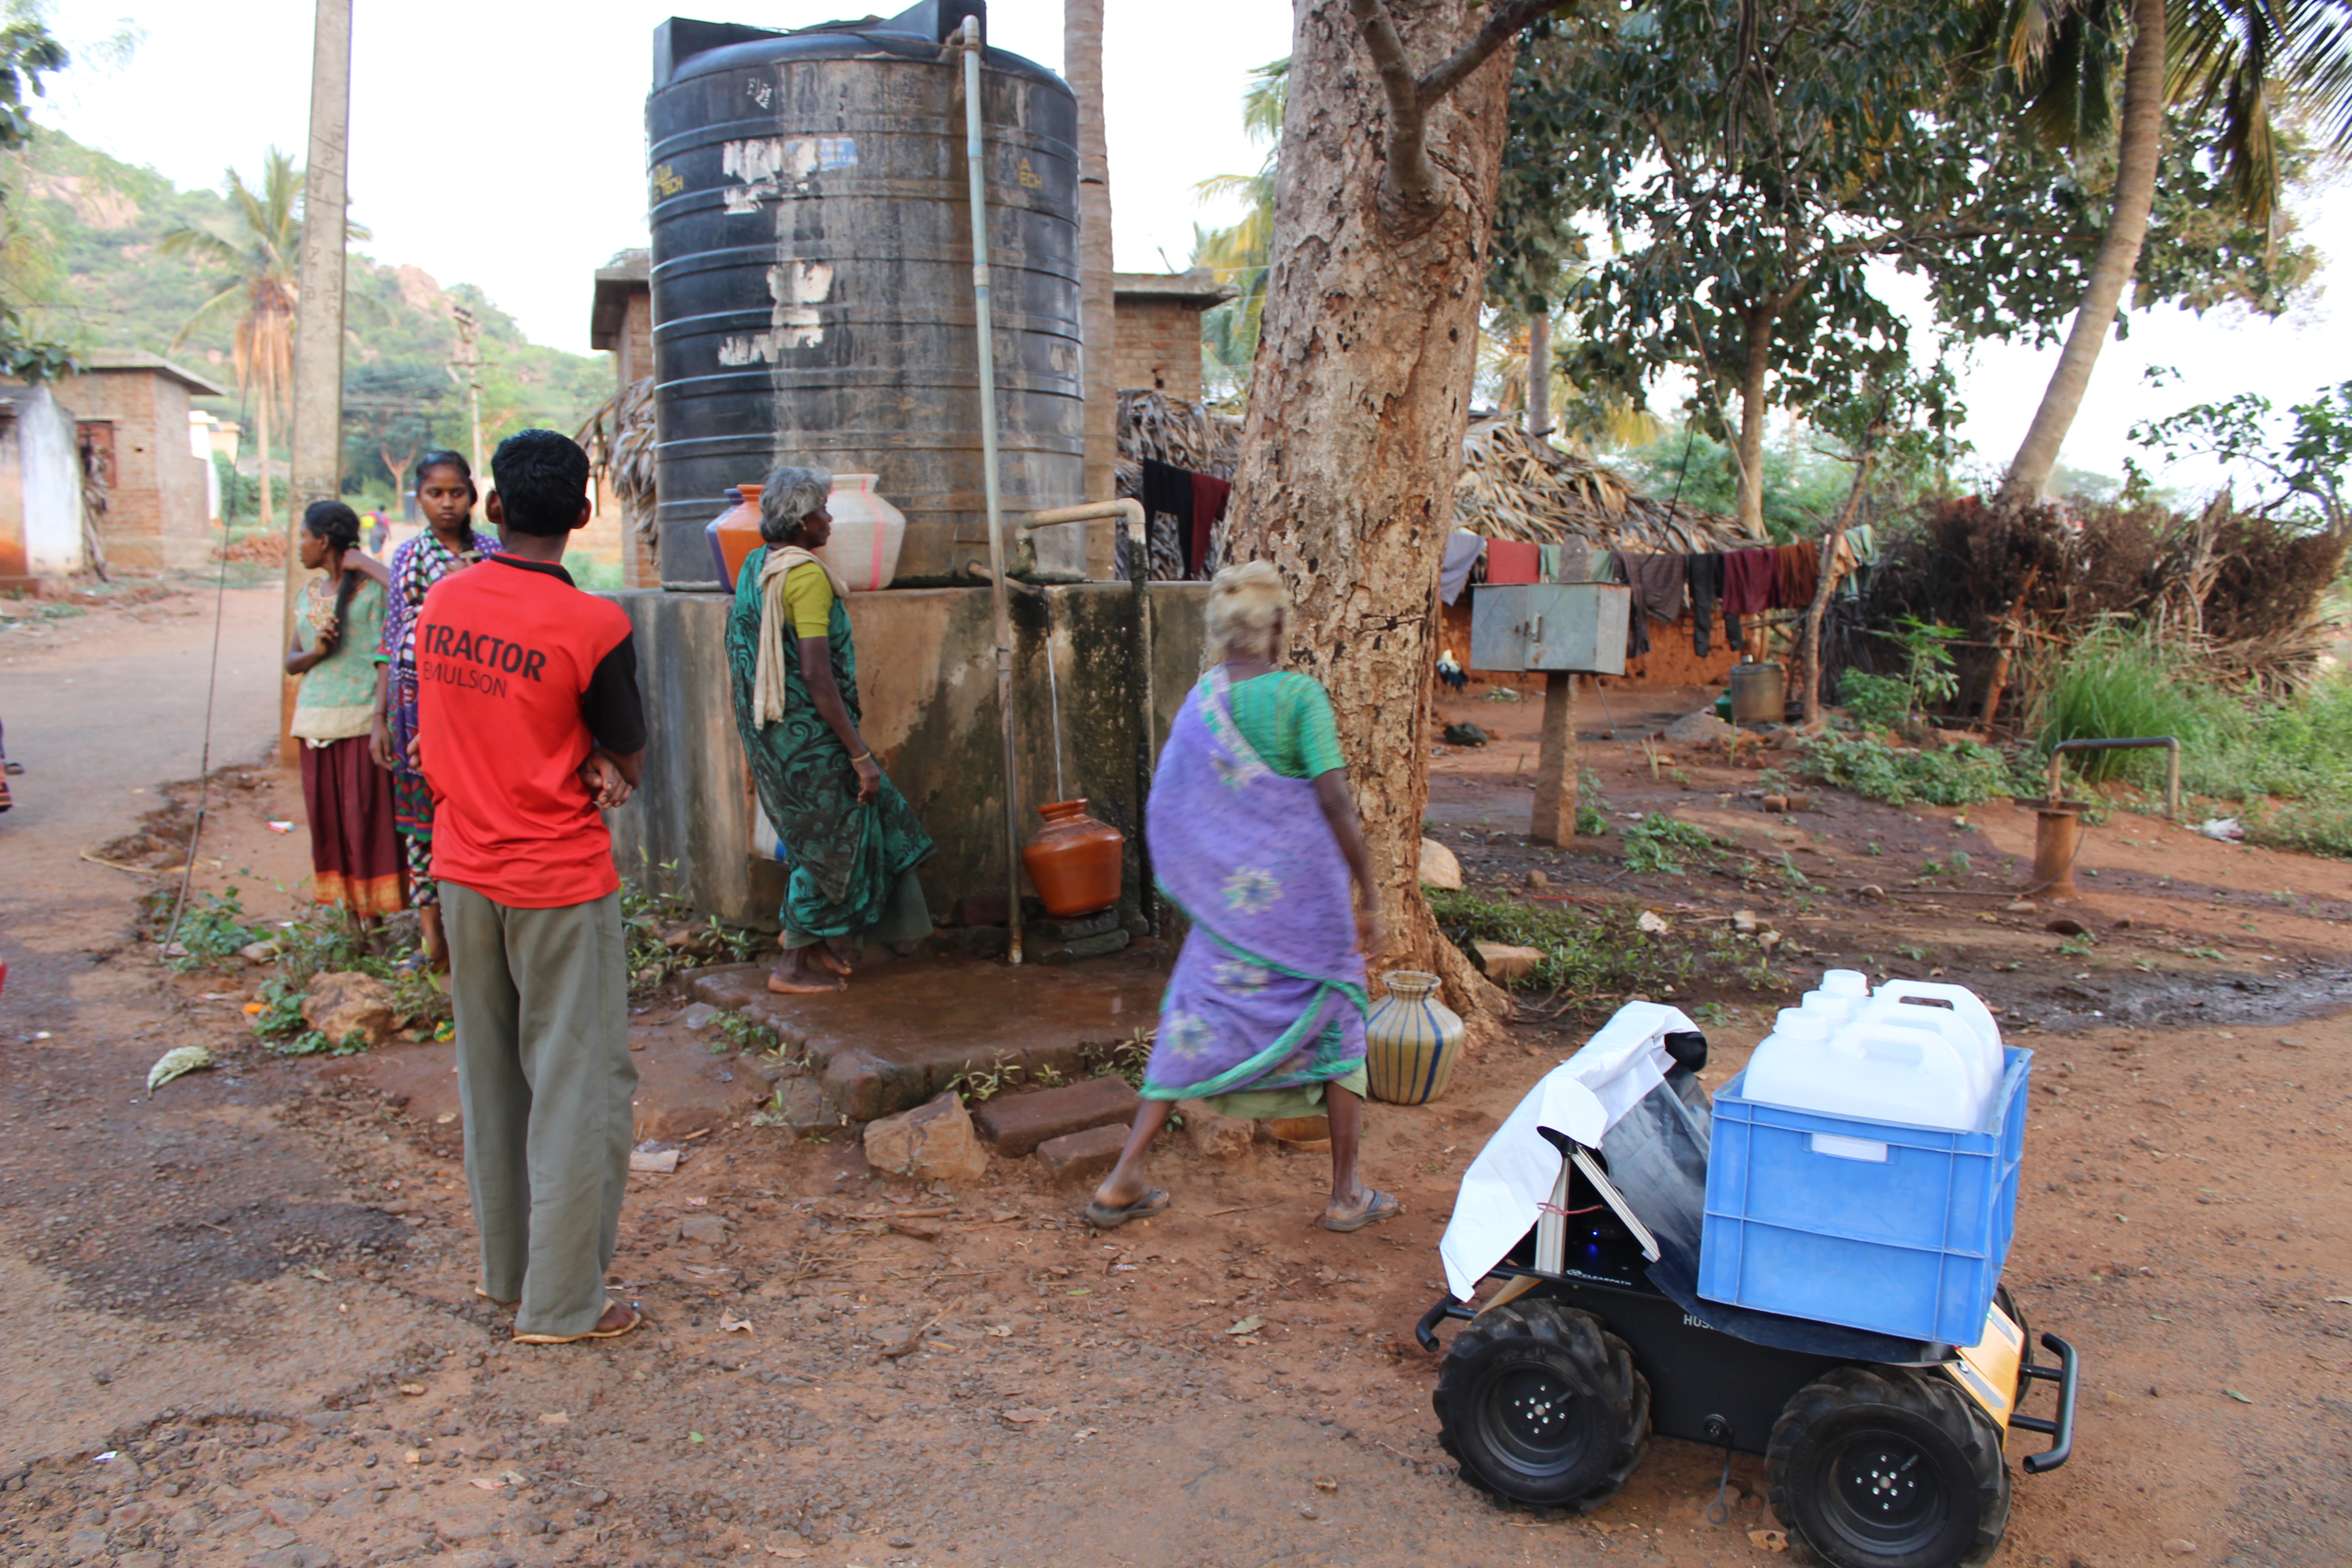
(1050, 932)
(1082, 1156)
(895, 1038)
(1014, 1124)
(1100, 945)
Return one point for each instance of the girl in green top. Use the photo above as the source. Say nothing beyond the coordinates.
(355, 856)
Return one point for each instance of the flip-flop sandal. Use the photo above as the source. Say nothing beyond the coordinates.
(1382, 1206)
(636, 1318)
(493, 1300)
(1102, 1216)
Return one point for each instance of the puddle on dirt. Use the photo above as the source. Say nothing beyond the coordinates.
(182, 1263)
(2177, 1001)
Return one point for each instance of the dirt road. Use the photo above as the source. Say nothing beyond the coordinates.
(254, 1291)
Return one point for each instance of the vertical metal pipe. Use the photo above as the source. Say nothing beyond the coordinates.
(974, 156)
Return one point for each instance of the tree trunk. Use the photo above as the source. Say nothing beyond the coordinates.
(1826, 584)
(1539, 376)
(1082, 22)
(2142, 145)
(1749, 453)
(1359, 399)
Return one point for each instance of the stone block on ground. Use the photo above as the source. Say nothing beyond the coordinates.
(1699, 729)
(1050, 931)
(1082, 1156)
(337, 1004)
(1014, 1124)
(730, 986)
(1439, 868)
(1216, 1136)
(933, 1143)
(1098, 946)
(800, 1108)
(1503, 963)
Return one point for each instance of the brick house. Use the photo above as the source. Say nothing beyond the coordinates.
(1157, 341)
(132, 409)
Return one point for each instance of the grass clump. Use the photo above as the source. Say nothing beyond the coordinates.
(1595, 956)
(1658, 842)
(1958, 774)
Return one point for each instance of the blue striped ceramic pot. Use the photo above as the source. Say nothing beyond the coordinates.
(1411, 1040)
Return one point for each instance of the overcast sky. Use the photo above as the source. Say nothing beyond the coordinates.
(502, 144)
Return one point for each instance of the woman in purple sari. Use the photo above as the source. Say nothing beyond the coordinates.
(1255, 838)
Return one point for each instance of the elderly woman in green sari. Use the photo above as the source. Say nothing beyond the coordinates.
(849, 840)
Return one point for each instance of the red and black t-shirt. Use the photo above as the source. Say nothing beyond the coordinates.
(518, 676)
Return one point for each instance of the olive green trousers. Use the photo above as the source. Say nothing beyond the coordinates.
(543, 1073)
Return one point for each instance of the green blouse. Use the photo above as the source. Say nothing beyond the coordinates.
(336, 699)
(1286, 719)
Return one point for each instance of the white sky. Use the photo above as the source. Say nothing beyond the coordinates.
(502, 144)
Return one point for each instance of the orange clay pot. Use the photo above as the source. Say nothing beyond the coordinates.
(735, 535)
(1075, 862)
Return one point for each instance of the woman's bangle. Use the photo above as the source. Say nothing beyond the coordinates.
(861, 756)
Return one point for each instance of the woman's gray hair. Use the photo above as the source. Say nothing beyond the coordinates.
(1243, 603)
(791, 494)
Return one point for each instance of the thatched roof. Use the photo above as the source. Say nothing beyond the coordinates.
(1511, 487)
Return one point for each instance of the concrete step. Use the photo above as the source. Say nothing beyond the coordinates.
(1014, 1124)
(901, 1031)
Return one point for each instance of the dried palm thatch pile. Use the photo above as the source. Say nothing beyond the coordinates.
(1185, 435)
(619, 440)
(1514, 488)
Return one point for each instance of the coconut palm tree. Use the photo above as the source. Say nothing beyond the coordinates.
(1240, 255)
(260, 261)
(2230, 56)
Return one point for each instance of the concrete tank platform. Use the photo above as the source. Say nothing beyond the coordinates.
(902, 1029)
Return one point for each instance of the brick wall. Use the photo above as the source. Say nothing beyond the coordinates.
(1158, 344)
(155, 520)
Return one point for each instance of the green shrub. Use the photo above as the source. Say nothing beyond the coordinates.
(2119, 684)
(1875, 701)
(1958, 774)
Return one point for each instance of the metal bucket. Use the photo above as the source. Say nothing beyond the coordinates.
(1759, 694)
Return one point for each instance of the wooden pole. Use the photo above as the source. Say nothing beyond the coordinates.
(1554, 820)
(316, 456)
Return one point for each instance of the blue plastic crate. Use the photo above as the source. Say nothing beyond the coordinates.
(1872, 1225)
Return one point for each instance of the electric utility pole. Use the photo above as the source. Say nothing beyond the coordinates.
(316, 466)
(466, 370)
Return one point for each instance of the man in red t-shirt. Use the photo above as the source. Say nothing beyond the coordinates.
(527, 723)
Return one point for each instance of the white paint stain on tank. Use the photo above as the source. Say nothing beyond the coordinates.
(797, 287)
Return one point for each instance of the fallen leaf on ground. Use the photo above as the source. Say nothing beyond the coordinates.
(1769, 1540)
(1024, 1416)
(730, 1324)
(1653, 923)
(556, 1418)
(176, 1062)
(487, 1483)
(1248, 1325)
(511, 1478)
(999, 1331)
(920, 1229)
(2238, 1396)
(794, 1551)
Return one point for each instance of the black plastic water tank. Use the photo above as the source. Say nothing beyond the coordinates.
(812, 276)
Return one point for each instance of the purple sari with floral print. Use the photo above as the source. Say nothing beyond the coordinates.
(1268, 992)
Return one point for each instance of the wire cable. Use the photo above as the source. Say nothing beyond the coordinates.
(205, 762)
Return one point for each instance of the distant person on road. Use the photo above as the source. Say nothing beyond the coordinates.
(1255, 838)
(529, 721)
(6, 768)
(444, 499)
(355, 858)
(853, 840)
(378, 531)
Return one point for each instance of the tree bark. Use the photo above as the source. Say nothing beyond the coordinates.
(2142, 145)
(1359, 399)
(1082, 24)
(1825, 584)
(1539, 376)
(1749, 453)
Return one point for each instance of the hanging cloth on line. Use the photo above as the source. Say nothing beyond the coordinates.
(1705, 573)
(1167, 492)
(1797, 573)
(1210, 494)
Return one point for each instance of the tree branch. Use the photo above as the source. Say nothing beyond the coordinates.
(1507, 20)
(1409, 174)
(1410, 178)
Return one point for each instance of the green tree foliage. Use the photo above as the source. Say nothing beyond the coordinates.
(1749, 161)
(2307, 459)
(109, 284)
(28, 53)
(1240, 255)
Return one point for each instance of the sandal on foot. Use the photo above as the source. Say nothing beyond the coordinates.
(637, 1317)
(1382, 1206)
(493, 1300)
(1103, 1216)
